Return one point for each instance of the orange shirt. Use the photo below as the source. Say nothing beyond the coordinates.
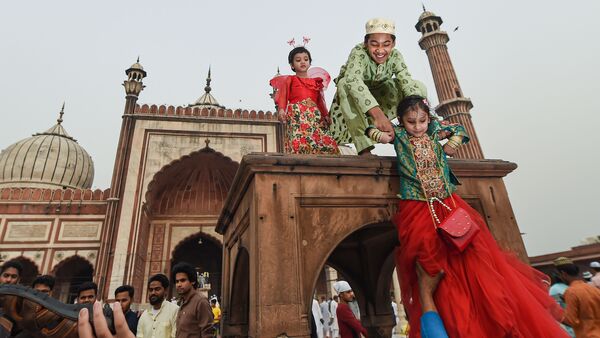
(583, 309)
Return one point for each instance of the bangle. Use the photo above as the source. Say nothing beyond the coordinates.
(453, 144)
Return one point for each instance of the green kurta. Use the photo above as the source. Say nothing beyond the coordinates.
(362, 85)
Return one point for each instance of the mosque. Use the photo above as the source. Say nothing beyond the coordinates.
(173, 170)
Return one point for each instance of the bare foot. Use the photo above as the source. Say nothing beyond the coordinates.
(427, 287)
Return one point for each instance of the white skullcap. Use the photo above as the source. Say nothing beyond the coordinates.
(594, 265)
(380, 25)
(341, 286)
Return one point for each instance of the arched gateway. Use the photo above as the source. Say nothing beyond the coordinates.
(289, 216)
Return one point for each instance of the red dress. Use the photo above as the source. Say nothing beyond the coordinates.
(485, 292)
(303, 101)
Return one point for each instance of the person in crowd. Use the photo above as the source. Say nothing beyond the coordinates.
(124, 295)
(161, 320)
(349, 325)
(44, 284)
(216, 310)
(596, 279)
(87, 293)
(582, 300)
(333, 322)
(11, 272)
(326, 317)
(195, 317)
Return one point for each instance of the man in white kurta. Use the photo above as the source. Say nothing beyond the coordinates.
(316, 312)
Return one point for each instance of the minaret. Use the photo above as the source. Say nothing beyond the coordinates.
(133, 87)
(453, 105)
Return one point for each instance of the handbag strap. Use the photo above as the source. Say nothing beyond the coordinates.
(432, 210)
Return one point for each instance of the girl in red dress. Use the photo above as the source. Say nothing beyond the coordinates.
(301, 106)
(484, 291)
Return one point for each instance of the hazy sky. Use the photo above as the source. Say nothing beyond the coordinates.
(530, 67)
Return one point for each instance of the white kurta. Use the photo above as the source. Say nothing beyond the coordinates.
(316, 312)
(335, 329)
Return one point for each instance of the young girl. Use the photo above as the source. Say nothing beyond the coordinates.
(483, 291)
(301, 106)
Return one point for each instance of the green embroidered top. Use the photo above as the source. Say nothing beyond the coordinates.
(411, 187)
(361, 85)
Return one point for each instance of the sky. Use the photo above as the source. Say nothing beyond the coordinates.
(530, 68)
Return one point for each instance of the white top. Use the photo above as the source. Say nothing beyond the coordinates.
(159, 324)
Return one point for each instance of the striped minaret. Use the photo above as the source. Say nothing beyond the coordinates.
(453, 106)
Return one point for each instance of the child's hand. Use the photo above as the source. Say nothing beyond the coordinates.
(449, 150)
(444, 134)
(386, 137)
(281, 115)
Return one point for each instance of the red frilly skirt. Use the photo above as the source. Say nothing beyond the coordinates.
(485, 292)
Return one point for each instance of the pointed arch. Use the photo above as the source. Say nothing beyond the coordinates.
(194, 184)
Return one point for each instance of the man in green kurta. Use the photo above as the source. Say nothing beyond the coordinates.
(370, 85)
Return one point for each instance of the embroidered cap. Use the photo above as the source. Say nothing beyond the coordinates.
(562, 261)
(380, 25)
(587, 275)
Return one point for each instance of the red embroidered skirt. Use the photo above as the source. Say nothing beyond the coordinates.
(486, 292)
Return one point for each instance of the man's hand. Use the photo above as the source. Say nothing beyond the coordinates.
(380, 120)
(84, 328)
(444, 134)
(449, 150)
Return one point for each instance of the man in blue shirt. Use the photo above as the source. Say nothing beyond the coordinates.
(124, 295)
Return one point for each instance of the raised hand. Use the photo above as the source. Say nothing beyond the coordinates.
(100, 328)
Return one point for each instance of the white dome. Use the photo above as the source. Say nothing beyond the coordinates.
(51, 159)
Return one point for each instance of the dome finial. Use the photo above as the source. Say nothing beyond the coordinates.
(207, 89)
(138, 59)
(424, 10)
(60, 115)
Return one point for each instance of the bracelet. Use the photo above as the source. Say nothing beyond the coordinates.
(453, 144)
(375, 134)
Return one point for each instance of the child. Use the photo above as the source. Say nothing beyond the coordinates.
(483, 292)
(301, 106)
(370, 85)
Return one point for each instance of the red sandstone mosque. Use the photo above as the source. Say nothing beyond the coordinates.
(173, 171)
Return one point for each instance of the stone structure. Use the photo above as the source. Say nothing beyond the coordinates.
(289, 216)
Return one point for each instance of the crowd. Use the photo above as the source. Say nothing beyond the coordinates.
(193, 315)
(455, 279)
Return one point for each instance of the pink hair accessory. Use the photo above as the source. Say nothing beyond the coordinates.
(305, 41)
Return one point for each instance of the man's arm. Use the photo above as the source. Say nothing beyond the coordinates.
(572, 309)
(409, 85)
(204, 317)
